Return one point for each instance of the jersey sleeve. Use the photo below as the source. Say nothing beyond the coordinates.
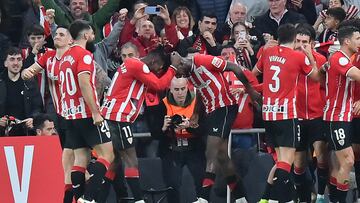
(43, 59)
(304, 63)
(260, 64)
(141, 72)
(85, 62)
(212, 63)
(341, 63)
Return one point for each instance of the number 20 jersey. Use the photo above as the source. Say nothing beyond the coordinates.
(281, 67)
(74, 62)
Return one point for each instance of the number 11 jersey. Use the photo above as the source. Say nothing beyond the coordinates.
(280, 67)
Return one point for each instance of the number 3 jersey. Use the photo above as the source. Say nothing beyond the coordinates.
(281, 67)
(74, 62)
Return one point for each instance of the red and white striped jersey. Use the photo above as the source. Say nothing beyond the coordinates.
(356, 63)
(245, 116)
(126, 94)
(281, 67)
(50, 64)
(310, 97)
(206, 76)
(74, 62)
(339, 89)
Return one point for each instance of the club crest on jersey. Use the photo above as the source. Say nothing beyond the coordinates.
(87, 59)
(217, 62)
(341, 142)
(146, 69)
(343, 61)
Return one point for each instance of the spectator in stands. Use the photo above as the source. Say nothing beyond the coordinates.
(268, 23)
(44, 125)
(351, 12)
(305, 7)
(35, 15)
(254, 7)
(334, 16)
(244, 45)
(180, 145)
(4, 46)
(220, 9)
(245, 116)
(182, 24)
(237, 13)
(20, 99)
(204, 41)
(79, 10)
(36, 39)
(146, 39)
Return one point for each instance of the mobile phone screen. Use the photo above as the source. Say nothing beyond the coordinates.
(151, 10)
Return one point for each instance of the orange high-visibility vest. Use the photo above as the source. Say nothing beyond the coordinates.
(182, 111)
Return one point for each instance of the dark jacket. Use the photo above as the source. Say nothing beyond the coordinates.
(264, 24)
(4, 46)
(32, 99)
(189, 42)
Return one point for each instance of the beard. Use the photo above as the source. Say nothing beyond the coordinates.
(90, 46)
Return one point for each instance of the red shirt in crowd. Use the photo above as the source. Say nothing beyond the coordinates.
(281, 66)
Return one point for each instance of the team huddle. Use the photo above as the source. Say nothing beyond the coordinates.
(306, 100)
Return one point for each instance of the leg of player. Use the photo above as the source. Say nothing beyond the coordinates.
(68, 162)
(334, 168)
(322, 169)
(209, 177)
(100, 167)
(356, 149)
(346, 162)
(81, 161)
(282, 186)
(226, 165)
(132, 173)
(303, 192)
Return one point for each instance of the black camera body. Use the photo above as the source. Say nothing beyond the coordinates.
(175, 120)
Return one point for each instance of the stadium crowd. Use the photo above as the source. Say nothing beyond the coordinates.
(94, 72)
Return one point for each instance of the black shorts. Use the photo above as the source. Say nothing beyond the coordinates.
(283, 133)
(82, 133)
(338, 134)
(221, 120)
(310, 132)
(121, 135)
(61, 130)
(355, 139)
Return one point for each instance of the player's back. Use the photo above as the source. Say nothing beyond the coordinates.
(281, 66)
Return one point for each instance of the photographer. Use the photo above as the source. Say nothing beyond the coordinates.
(180, 144)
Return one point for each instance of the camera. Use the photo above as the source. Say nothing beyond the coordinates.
(175, 120)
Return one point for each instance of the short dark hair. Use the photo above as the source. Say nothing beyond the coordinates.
(35, 30)
(209, 14)
(346, 32)
(338, 13)
(77, 27)
(13, 51)
(352, 22)
(39, 120)
(306, 29)
(286, 33)
(159, 53)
